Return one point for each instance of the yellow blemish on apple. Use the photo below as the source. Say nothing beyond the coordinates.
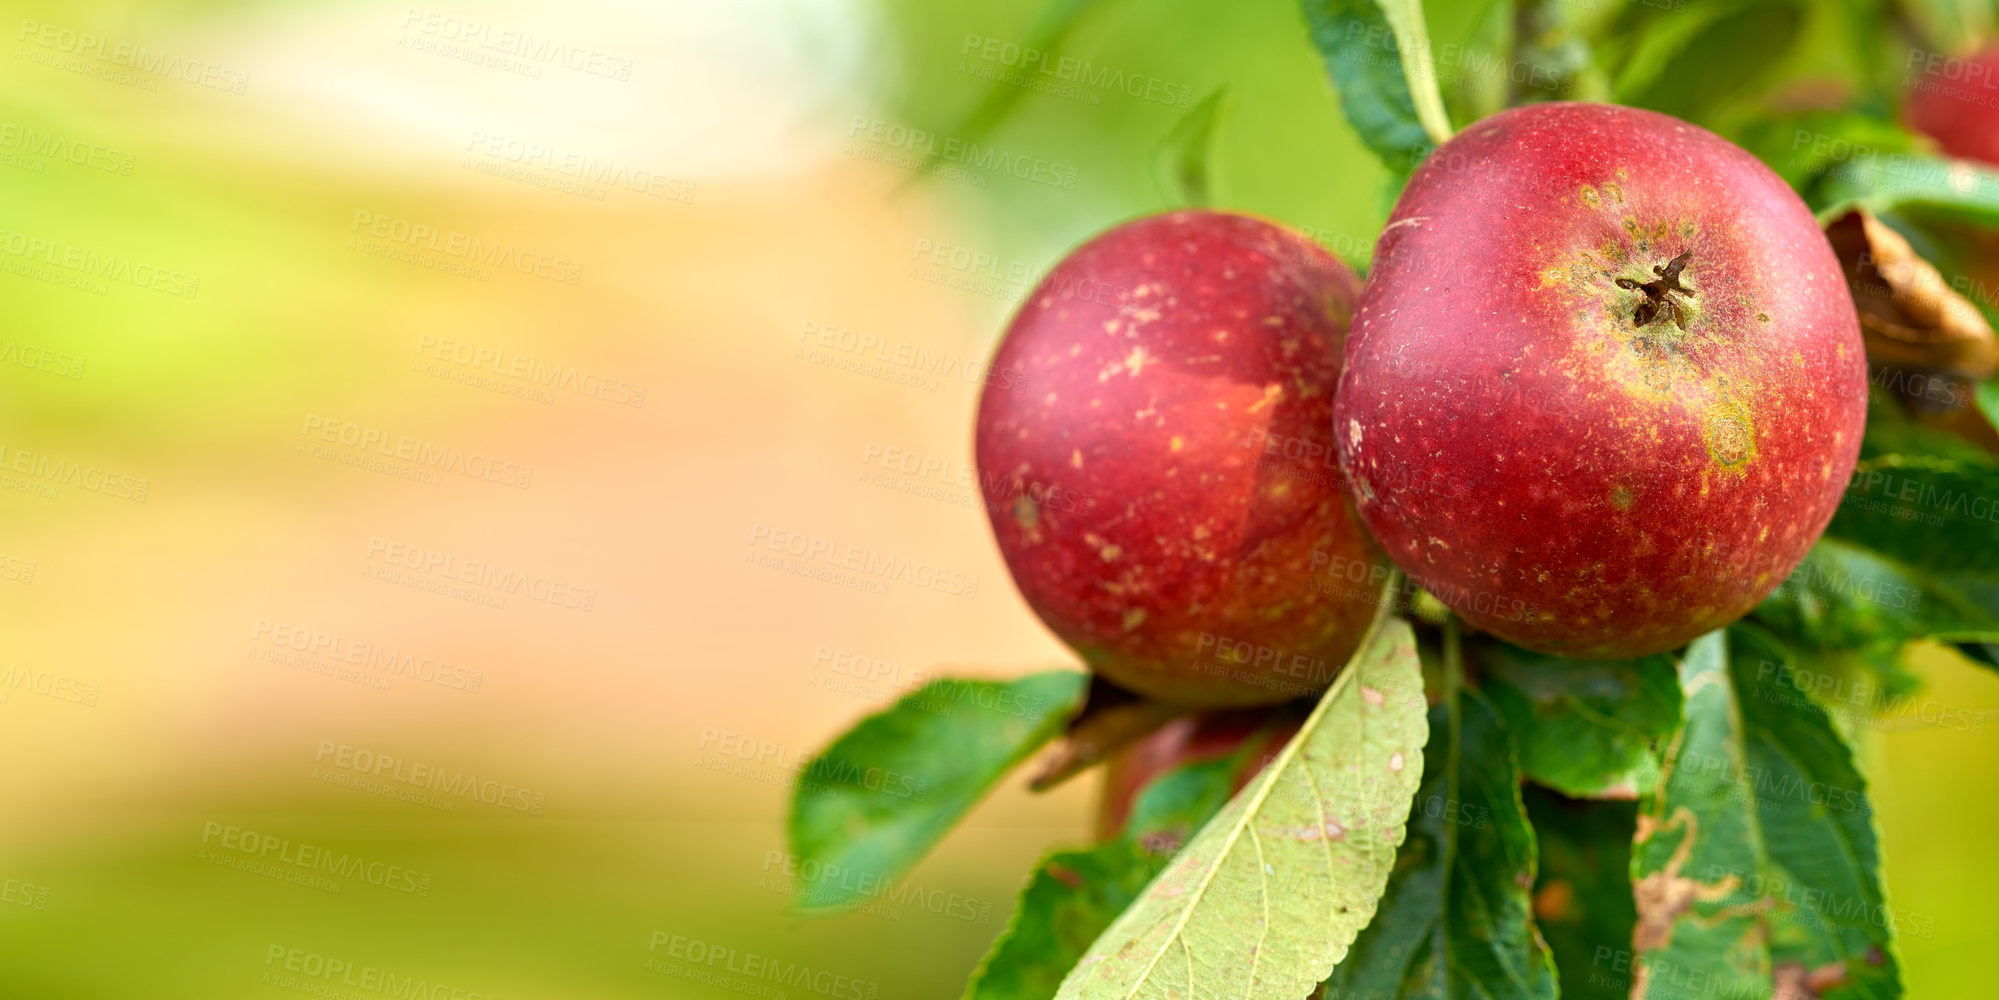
(1076, 458)
(1730, 436)
(1272, 393)
(1177, 443)
(1136, 361)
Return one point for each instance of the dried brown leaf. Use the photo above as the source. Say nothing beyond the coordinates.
(1110, 720)
(1909, 313)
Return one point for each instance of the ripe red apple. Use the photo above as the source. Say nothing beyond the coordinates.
(1167, 488)
(1956, 102)
(1188, 740)
(1606, 384)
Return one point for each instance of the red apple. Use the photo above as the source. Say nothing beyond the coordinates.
(1189, 740)
(1956, 102)
(1166, 487)
(1606, 384)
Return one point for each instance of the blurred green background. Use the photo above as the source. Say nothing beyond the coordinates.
(197, 685)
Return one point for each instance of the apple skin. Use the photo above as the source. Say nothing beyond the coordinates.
(1166, 489)
(1183, 741)
(1554, 472)
(1962, 115)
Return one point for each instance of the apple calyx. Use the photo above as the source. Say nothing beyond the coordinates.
(1660, 302)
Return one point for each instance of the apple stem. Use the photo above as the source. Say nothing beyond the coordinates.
(1454, 666)
(1412, 37)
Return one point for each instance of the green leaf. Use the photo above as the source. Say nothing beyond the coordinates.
(884, 793)
(1808, 147)
(1987, 399)
(1958, 188)
(1185, 156)
(1069, 900)
(1265, 900)
(1890, 431)
(1057, 22)
(1587, 728)
(1696, 837)
(1821, 875)
(1553, 61)
(1757, 861)
(1845, 597)
(1912, 553)
(1073, 896)
(1582, 896)
(1177, 804)
(1457, 920)
(1939, 514)
(1698, 64)
(1369, 54)
(1985, 654)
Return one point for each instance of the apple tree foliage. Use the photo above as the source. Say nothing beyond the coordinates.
(1684, 825)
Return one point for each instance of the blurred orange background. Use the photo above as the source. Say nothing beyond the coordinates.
(296, 483)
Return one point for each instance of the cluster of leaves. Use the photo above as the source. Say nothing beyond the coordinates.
(1534, 827)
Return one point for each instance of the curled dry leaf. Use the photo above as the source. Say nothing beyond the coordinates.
(1909, 313)
(1795, 982)
(1111, 719)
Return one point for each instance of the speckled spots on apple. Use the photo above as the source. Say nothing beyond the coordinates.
(1160, 404)
(1629, 413)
